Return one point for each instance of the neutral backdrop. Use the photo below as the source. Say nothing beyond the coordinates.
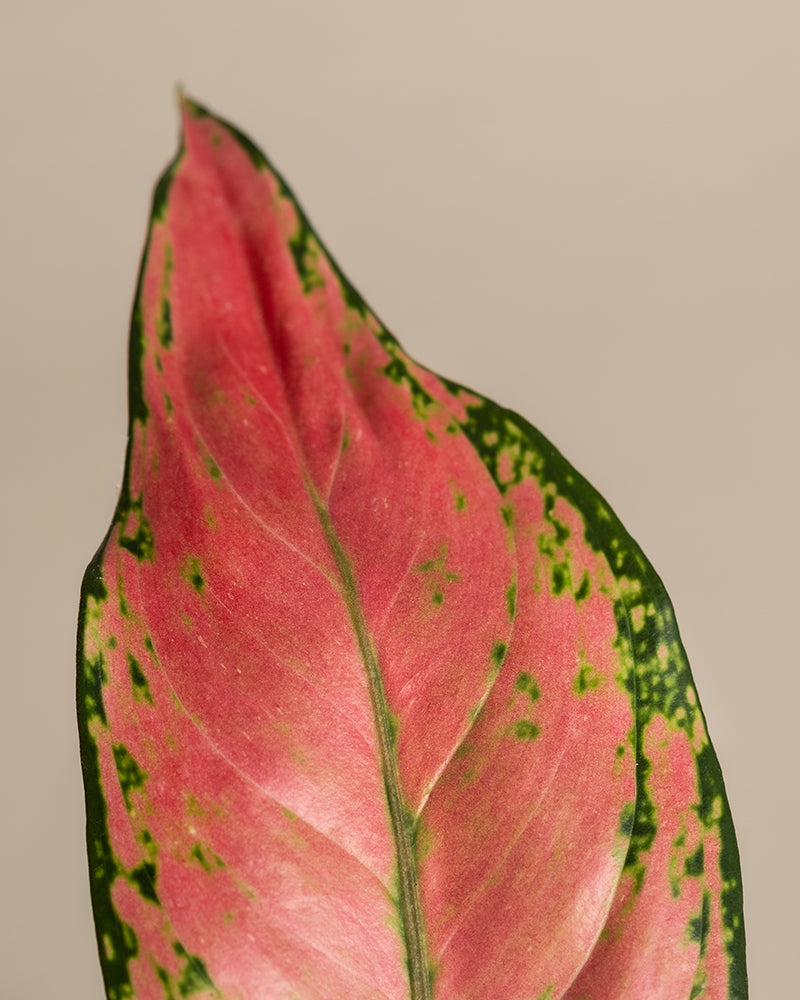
(588, 211)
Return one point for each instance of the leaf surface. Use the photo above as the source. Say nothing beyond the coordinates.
(377, 698)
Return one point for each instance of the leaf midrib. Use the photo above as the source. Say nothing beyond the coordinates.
(410, 905)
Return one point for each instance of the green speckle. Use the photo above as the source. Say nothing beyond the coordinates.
(191, 573)
(207, 863)
(560, 579)
(644, 829)
(195, 977)
(193, 807)
(499, 654)
(143, 879)
(698, 925)
(511, 600)
(306, 252)
(164, 325)
(507, 512)
(141, 689)
(438, 578)
(526, 730)
(136, 535)
(148, 845)
(562, 531)
(124, 610)
(166, 981)
(587, 680)
(626, 819)
(583, 590)
(95, 676)
(694, 864)
(461, 501)
(397, 371)
(131, 776)
(164, 320)
(546, 545)
(526, 683)
(212, 467)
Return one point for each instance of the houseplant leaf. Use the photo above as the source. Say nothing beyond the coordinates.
(377, 698)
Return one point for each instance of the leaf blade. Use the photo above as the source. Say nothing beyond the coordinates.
(247, 335)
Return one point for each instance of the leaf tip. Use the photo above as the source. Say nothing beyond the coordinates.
(188, 108)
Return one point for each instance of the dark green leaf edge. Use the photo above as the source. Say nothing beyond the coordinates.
(116, 940)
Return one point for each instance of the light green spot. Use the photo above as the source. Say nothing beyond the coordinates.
(524, 729)
(587, 680)
(108, 947)
(526, 683)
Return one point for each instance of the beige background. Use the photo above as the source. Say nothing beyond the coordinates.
(589, 211)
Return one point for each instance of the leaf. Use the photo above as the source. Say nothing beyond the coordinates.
(377, 698)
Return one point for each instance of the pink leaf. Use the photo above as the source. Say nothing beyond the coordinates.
(377, 697)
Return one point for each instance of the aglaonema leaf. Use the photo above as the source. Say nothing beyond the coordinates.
(377, 698)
